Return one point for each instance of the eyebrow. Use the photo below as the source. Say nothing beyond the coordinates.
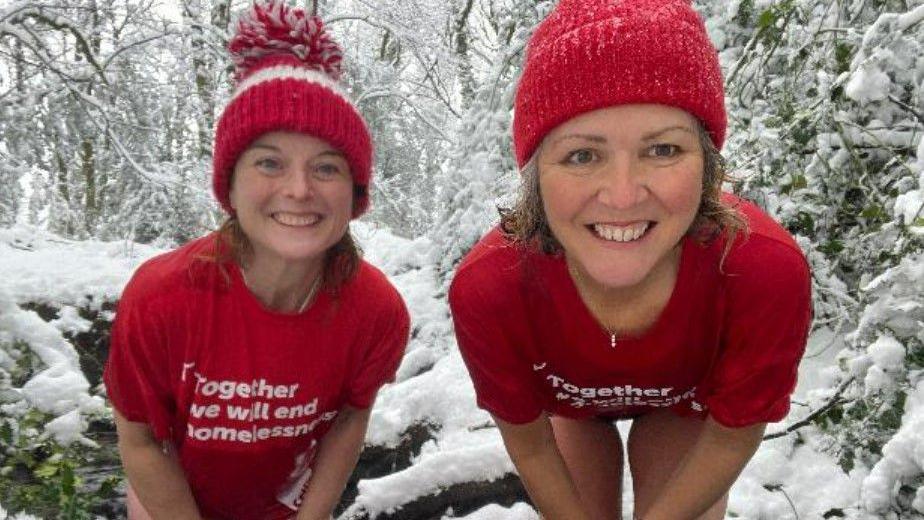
(587, 137)
(600, 139)
(336, 153)
(656, 133)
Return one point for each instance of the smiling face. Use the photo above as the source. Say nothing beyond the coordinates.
(620, 188)
(292, 195)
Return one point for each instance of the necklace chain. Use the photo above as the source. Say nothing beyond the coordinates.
(312, 291)
(611, 332)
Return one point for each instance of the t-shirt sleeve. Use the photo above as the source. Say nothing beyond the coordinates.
(501, 377)
(388, 341)
(767, 315)
(136, 372)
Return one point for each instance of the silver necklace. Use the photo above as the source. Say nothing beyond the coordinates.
(311, 292)
(308, 297)
(612, 333)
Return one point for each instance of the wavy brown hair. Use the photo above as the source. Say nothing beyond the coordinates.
(526, 222)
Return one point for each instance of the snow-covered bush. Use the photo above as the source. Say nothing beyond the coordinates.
(826, 101)
(480, 171)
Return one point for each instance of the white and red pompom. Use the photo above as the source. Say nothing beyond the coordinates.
(272, 28)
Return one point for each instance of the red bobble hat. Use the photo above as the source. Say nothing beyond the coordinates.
(592, 54)
(286, 71)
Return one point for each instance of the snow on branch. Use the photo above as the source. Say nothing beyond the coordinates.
(60, 389)
(18, 16)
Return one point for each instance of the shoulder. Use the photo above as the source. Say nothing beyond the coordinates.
(490, 270)
(371, 281)
(759, 222)
(765, 257)
(371, 287)
(166, 274)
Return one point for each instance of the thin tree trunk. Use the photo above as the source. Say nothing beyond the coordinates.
(460, 40)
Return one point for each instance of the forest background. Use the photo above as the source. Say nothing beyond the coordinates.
(106, 117)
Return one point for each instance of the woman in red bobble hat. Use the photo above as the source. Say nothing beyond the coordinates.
(243, 365)
(624, 284)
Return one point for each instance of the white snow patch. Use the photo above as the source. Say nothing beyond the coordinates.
(59, 389)
(18, 516)
(887, 353)
(39, 267)
(909, 206)
(69, 321)
(868, 83)
(785, 483)
(461, 457)
(912, 17)
(902, 458)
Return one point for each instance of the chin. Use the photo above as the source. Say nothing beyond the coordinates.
(290, 251)
(613, 269)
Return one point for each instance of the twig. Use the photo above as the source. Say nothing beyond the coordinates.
(440, 133)
(834, 401)
(907, 107)
(62, 24)
(793, 506)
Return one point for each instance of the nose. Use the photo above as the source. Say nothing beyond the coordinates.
(298, 184)
(622, 183)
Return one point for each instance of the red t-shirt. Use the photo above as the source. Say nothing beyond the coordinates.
(246, 394)
(728, 343)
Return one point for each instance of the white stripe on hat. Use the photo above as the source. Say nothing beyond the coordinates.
(288, 71)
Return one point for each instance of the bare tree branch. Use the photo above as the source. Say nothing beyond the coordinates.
(833, 401)
(63, 24)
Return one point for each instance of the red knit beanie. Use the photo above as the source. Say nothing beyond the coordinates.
(286, 70)
(592, 54)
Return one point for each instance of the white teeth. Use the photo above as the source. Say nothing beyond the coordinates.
(621, 233)
(290, 219)
(639, 230)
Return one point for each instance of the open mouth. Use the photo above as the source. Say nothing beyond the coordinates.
(627, 233)
(296, 219)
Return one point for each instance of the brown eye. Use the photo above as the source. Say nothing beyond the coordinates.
(663, 151)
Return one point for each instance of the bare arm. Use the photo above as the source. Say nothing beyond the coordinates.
(155, 476)
(707, 472)
(532, 448)
(336, 459)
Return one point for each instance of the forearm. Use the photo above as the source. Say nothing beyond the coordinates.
(159, 482)
(706, 473)
(542, 470)
(335, 461)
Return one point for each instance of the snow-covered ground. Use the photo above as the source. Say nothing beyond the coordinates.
(785, 480)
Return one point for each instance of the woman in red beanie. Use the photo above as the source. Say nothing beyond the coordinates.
(243, 365)
(624, 284)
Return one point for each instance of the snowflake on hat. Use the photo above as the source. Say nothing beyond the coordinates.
(272, 28)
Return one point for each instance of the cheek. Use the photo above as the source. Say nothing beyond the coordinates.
(340, 197)
(561, 197)
(242, 193)
(241, 185)
(681, 191)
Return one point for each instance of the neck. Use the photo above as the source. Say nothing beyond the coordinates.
(631, 309)
(280, 285)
